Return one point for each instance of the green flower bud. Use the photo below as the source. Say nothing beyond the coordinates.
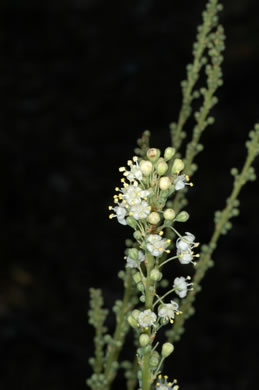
(135, 314)
(155, 275)
(144, 339)
(154, 359)
(132, 322)
(161, 167)
(146, 167)
(137, 235)
(133, 253)
(153, 218)
(169, 214)
(137, 277)
(164, 183)
(153, 154)
(169, 153)
(131, 222)
(142, 298)
(140, 287)
(178, 166)
(167, 349)
(183, 216)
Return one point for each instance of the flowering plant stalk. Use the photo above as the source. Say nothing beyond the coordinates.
(150, 200)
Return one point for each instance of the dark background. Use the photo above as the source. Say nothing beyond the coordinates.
(79, 83)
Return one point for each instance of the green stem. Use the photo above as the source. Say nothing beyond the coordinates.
(165, 295)
(167, 261)
(118, 337)
(192, 78)
(202, 265)
(146, 372)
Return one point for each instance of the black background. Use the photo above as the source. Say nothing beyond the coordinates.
(80, 81)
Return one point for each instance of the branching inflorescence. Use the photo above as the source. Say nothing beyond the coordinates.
(150, 201)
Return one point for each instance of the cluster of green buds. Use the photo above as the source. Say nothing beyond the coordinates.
(141, 203)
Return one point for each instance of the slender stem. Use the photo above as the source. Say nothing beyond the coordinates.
(166, 261)
(160, 364)
(146, 372)
(202, 265)
(114, 350)
(165, 295)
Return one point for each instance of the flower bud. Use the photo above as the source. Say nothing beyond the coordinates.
(137, 277)
(153, 218)
(169, 153)
(146, 167)
(154, 359)
(133, 253)
(167, 349)
(140, 287)
(137, 235)
(131, 222)
(164, 183)
(178, 166)
(132, 321)
(135, 314)
(155, 275)
(153, 154)
(161, 167)
(183, 216)
(144, 339)
(169, 214)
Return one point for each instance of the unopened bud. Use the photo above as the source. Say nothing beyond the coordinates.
(155, 359)
(137, 235)
(137, 277)
(153, 218)
(169, 153)
(144, 340)
(183, 216)
(132, 321)
(169, 214)
(135, 314)
(140, 287)
(146, 167)
(178, 166)
(131, 222)
(133, 253)
(161, 167)
(167, 349)
(164, 183)
(153, 154)
(155, 275)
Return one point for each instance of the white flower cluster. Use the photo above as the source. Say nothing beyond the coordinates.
(132, 200)
(185, 247)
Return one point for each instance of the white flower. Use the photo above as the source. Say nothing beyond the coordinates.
(120, 213)
(181, 286)
(184, 247)
(185, 257)
(181, 181)
(185, 242)
(162, 384)
(131, 263)
(168, 310)
(156, 245)
(133, 194)
(146, 318)
(135, 171)
(140, 210)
